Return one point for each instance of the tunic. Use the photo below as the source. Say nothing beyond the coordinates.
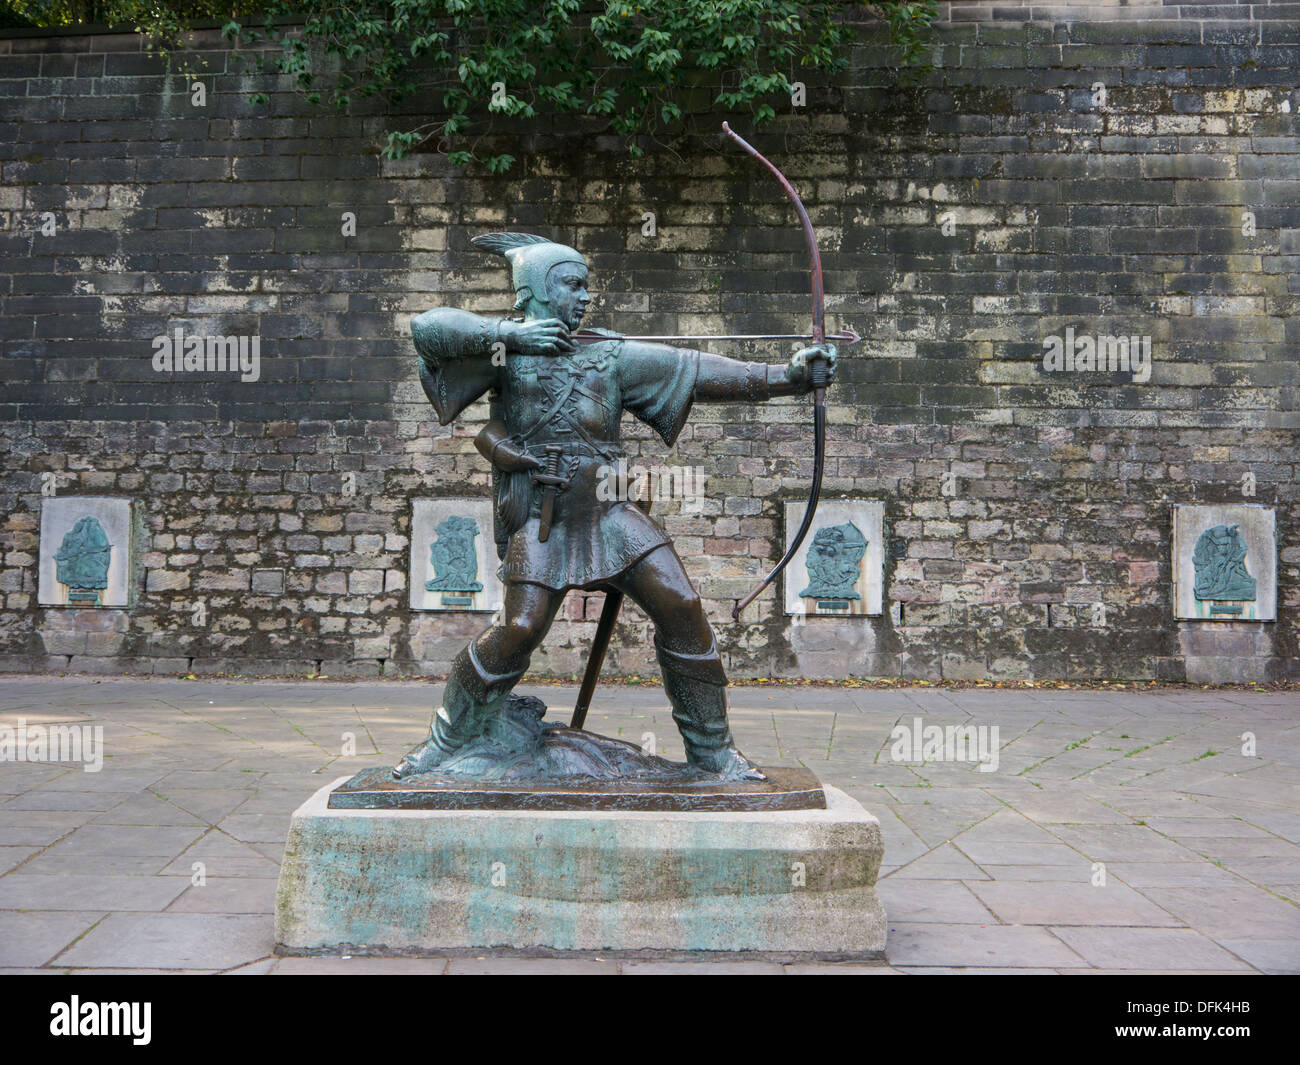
(576, 401)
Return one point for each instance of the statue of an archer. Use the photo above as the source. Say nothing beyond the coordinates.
(556, 401)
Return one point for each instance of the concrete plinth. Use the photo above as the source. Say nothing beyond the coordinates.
(797, 882)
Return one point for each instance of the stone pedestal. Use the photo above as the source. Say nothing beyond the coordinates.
(797, 883)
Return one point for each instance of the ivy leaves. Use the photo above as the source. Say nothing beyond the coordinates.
(639, 67)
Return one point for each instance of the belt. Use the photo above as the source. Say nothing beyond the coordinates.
(608, 450)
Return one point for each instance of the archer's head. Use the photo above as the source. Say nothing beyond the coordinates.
(549, 279)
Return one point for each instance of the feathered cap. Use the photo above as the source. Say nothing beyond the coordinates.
(531, 259)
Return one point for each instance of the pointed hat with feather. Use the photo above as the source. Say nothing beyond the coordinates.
(531, 259)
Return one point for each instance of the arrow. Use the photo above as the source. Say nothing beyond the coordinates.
(587, 336)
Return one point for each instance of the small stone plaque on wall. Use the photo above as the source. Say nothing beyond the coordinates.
(1225, 562)
(839, 569)
(453, 556)
(87, 552)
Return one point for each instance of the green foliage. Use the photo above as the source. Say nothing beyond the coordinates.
(164, 22)
(12, 18)
(642, 67)
(909, 24)
(154, 17)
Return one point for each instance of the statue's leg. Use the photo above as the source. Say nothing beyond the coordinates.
(694, 679)
(483, 674)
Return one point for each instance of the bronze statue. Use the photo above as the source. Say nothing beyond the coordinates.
(557, 396)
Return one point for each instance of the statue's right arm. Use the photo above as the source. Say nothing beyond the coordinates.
(446, 333)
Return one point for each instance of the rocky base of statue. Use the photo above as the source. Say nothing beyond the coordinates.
(526, 762)
(520, 746)
(777, 884)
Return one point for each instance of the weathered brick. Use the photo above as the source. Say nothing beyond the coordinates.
(1066, 214)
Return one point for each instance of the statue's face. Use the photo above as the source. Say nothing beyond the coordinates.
(566, 288)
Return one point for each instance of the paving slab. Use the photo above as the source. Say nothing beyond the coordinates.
(1238, 912)
(926, 901)
(138, 972)
(24, 891)
(487, 966)
(358, 966)
(15, 835)
(1117, 843)
(996, 851)
(1275, 819)
(1275, 956)
(701, 968)
(993, 945)
(982, 871)
(54, 863)
(945, 862)
(1193, 828)
(1265, 870)
(1078, 872)
(12, 857)
(256, 827)
(1229, 848)
(210, 805)
(974, 970)
(1149, 949)
(134, 841)
(227, 895)
(151, 810)
(261, 967)
(45, 799)
(1070, 904)
(36, 938)
(171, 941)
(1005, 826)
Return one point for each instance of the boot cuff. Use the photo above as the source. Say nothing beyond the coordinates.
(706, 667)
(476, 680)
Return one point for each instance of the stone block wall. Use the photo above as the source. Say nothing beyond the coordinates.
(1126, 176)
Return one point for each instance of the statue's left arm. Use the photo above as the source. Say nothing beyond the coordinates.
(724, 380)
(660, 382)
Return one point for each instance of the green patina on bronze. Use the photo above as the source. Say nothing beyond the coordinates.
(834, 563)
(1220, 564)
(454, 559)
(82, 561)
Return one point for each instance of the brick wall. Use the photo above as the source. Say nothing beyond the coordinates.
(962, 223)
(1111, 10)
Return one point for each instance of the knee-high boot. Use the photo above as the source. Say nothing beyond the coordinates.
(696, 686)
(471, 698)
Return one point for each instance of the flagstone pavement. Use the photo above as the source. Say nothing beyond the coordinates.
(1198, 838)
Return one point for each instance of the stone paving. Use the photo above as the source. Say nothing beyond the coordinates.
(984, 871)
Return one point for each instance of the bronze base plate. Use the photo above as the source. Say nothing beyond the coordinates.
(785, 789)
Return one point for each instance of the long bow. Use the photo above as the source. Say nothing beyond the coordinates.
(817, 371)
